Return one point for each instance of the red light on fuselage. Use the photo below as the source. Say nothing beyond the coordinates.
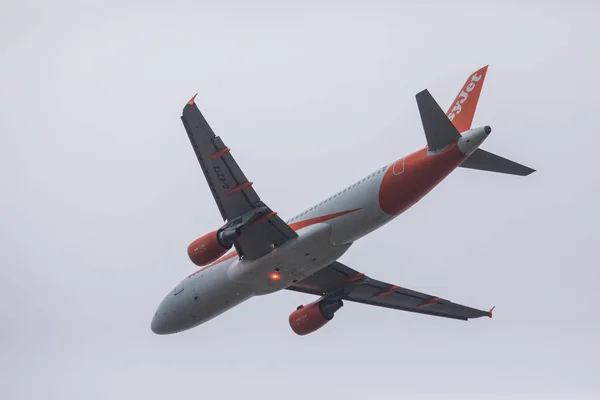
(275, 276)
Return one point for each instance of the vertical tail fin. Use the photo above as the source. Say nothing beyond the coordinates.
(462, 110)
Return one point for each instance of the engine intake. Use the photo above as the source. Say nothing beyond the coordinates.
(309, 318)
(209, 248)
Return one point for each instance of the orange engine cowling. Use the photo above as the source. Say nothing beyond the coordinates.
(206, 249)
(309, 318)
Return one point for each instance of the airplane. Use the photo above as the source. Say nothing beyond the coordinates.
(301, 254)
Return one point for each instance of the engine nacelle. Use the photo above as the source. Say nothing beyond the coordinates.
(208, 248)
(309, 318)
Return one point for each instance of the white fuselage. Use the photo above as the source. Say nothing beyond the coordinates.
(325, 232)
(211, 291)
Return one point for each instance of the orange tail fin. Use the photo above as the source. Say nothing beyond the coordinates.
(462, 110)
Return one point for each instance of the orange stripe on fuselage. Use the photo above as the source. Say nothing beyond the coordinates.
(413, 176)
(296, 226)
(311, 221)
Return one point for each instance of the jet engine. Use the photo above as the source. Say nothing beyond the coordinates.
(210, 247)
(309, 318)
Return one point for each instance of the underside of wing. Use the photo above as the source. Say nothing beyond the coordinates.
(257, 227)
(337, 281)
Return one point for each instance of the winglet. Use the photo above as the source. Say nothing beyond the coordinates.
(192, 99)
(489, 314)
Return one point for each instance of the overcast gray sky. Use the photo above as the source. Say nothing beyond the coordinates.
(101, 194)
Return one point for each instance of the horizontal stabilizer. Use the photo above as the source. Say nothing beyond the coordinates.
(439, 130)
(486, 161)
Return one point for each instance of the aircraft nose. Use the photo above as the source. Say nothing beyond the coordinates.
(175, 313)
(164, 320)
(170, 314)
(158, 324)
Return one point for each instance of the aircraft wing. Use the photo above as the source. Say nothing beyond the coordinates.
(261, 229)
(338, 281)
